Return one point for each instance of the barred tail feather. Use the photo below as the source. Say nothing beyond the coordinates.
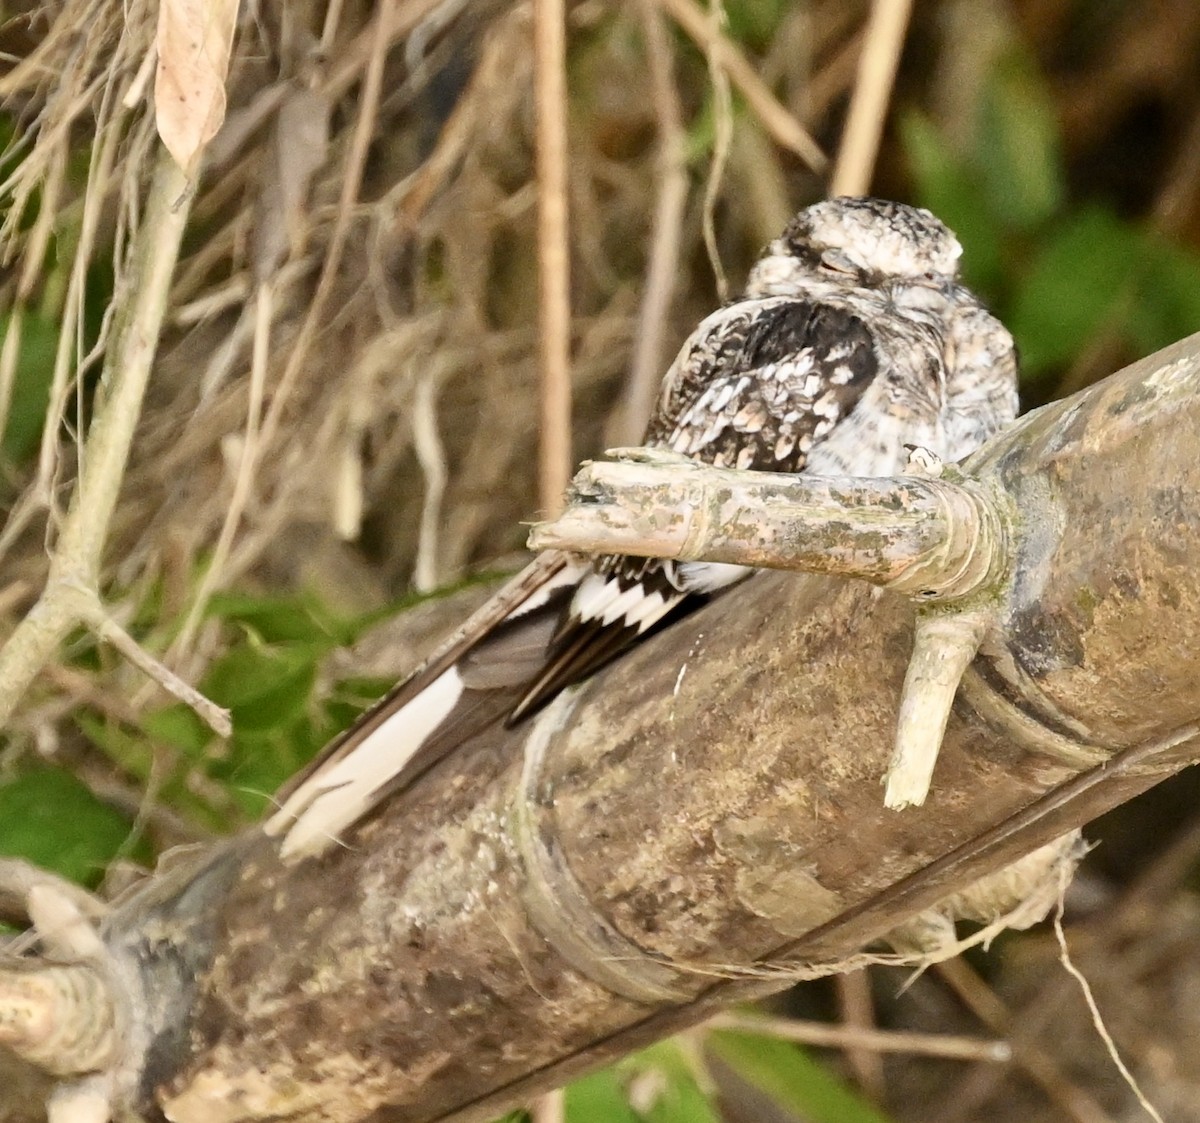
(319, 810)
(473, 679)
(553, 626)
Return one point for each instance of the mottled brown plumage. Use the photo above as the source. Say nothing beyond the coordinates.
(853, 339)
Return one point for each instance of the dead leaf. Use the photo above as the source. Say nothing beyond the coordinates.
(194, 41)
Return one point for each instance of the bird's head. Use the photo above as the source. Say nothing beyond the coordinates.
(857, 242)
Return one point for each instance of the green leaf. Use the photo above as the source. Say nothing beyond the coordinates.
(599, 1098)
(945, 185)
(264, 687)
(679, 1098)
(280, 619)
(754, 22)
(179, 727)
(1017, 146)
(1167, 302)
(256, 764)
(50, 818)
(792, 1078)
(1073, 287)
(31, 385)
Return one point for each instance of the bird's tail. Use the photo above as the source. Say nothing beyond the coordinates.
(476, 678)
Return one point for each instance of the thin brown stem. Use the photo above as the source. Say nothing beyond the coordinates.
(866, 1039)
(646, 367)
(877, 65)
(776, 118)
(858, 1015)
(554, 296)
(77, 553)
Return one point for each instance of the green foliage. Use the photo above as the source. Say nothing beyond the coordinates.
(796, 1082)
(268, 678)
(1166, 301)
(675, 1094)
(50, 818)
(31, 385)
(666, 1084)
(264, 686)
(39, 319)
(1062, 276)
(948, 187)
(298, 619)
(1017, 146)
(661, 1081)
(1074, 284)
(599, 1098)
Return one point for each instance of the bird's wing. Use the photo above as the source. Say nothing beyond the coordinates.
(757, 385)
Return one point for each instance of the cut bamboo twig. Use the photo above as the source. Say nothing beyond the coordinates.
(939, 542)
(944, 644)
(928, 538)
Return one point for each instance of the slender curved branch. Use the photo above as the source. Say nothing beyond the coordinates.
(70, 595)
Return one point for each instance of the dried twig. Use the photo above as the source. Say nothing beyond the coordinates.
(866, 1039)
(93, 614)
(646, 366)
(722, 138)
(872, 92)
(333, 16)
(554, 299)
(427, 443)
(857, 1008)
(74, 567)
(775, 117)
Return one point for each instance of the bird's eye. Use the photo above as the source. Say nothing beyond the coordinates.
(838, 263)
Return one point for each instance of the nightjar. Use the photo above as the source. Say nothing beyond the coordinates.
(854, 338)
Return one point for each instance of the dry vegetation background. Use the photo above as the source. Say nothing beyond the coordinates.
(368, 216)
